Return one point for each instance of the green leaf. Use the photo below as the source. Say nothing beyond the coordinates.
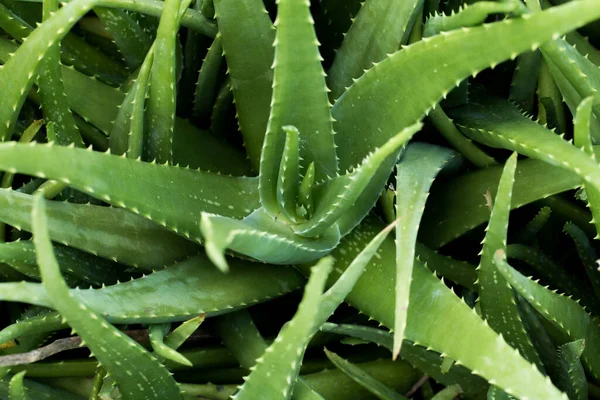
(17, 390)
(503, 365)
(469, 15)
(414, 175)
(240, 335)
(130, 38)
(497, 123)
(449, 393)
(496, 298)
(428, 362)
(132, 367)
(127, 132)
(564, 313)
(554, 274)
(276, 371)
(573, 378)
(576, 76)
(349, 198)
(77, 266)
(52, 94)
(207, 83)
(109, 232)
(263, 238)
(380, 390)
(172, 294)
(299, 99)
(376, 31)
(289, 173)
(160, 113)
(587, 254)
(156, 333)
(171, 196)
(530, 231)
(180, 334)
(375, 107)
(248, 36)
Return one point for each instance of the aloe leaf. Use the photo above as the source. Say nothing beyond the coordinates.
(469, 15)
(342, 196)
(132, 367)
(206, 85)
(459, 272)
(272, 372)
(289, 173)
(586, 253)
(530, 231)
(182, 333)
(198, 149)
(130, 38)
(39, 324)
(495, 393)
(77, 265)
(550, 108)
(21, 67)
(431, 297)
(111, 233)
(160, 112)
(524, 80)
(380, 390)
(553, 274)
(37, 390)
(136, 301)
(263, 238)
(101, 110)
(496, 298)
(26, 137)
(16, 388)
(220, 118)
(452, 213)
(582, 126)
(191, 19)
(75, 51)
(248, 36)
(578, 71)
(52, 94)
(276, 371)
(573, 375)
(240, 335)
(582, 138)
(376, 31)
(180, 192)
(98, 383)
(583, 45)
(508, 131)
(306, 201)
(427, 361)
(414, 175)
(333, 22)
(397, 77)
(299, 95)
(562, 312)
(127, 132)
(299, 99)
(156, 333)
(456, 139)
(449, 393)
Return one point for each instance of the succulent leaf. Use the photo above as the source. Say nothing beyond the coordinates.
(132, 367)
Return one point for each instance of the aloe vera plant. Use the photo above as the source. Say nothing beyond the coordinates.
(130, 216)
